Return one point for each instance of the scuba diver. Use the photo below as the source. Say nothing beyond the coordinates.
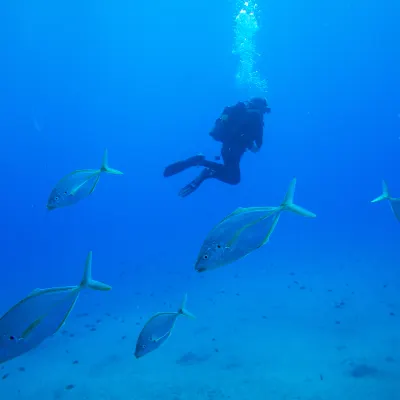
(239, 128)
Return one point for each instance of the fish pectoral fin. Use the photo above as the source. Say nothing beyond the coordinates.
(30, 328)
(156, 340)
(75, 190)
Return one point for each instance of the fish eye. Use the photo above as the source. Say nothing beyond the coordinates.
(56, 198)
(143, 346)
(205, 257)
(12, 337)
(218, 246)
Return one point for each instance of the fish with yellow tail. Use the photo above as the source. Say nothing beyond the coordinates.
(243, 231)
(77, 185)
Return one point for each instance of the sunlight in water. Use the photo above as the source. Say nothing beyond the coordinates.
(246, 26)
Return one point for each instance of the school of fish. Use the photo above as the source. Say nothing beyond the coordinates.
(43, 312)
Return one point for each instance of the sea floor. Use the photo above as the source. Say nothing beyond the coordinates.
(290, 336)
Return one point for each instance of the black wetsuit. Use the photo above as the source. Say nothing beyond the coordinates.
(239, 128)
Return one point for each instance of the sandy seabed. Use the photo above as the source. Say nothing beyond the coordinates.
(293, 337)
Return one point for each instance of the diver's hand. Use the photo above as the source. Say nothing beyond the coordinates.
(254, 148)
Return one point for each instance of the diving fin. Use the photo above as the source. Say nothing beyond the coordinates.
(181, 166)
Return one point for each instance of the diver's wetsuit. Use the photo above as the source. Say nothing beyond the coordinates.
(239, 128)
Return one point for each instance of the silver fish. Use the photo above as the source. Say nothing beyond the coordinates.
(77, 185)
(394, 202)
(40, 315)
(244, 231)
(158, 329)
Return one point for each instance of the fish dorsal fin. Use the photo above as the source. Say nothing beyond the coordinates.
(238, 211)
(156, 315)
(163, 313)
(242, 210)
(263, 209)
(36, 293)
(77, 171)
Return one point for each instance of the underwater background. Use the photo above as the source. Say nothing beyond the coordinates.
(313, 315)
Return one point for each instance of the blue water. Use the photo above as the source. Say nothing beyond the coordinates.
(147, 81)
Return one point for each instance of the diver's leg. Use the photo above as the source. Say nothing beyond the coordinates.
(210, 164)
(195, 183)
(229, 174)
(230, 171)
(180, 166)
(196, 161)
(226, 174)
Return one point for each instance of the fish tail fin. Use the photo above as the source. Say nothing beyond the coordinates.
(385, 193)
(106, 168)
(288, 205)
(87, 281)
(182, 310)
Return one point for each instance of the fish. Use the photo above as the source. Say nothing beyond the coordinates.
(243, 231)
(41, 314)
(158, 329)
(394, 202)
(77, 185)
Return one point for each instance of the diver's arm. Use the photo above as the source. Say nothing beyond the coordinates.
(254, 148)
(259, 141)
(258, 131)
